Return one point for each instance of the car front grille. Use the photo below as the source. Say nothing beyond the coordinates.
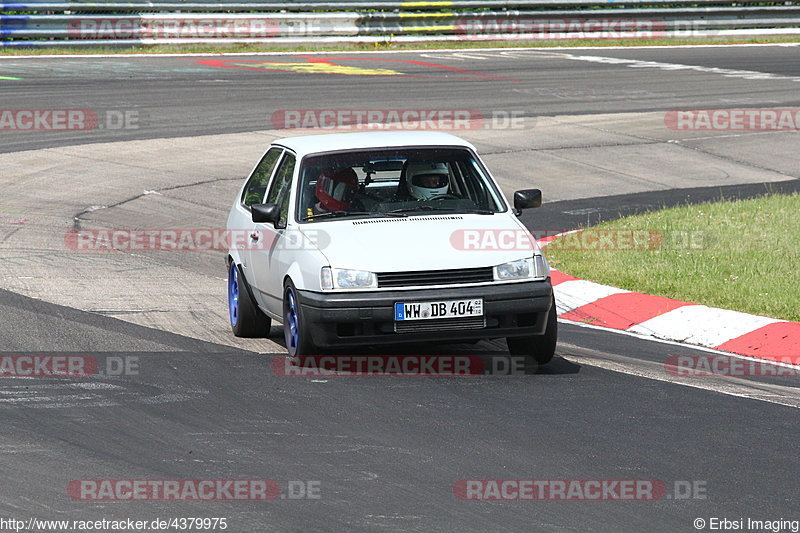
(469, 322)
(435, 277)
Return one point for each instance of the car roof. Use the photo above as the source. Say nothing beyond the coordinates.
(332, 142)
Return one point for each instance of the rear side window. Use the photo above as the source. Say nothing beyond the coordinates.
(281, 187)
(257, 184)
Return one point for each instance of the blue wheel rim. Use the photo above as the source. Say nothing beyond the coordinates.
(233, 294)
(291, 328)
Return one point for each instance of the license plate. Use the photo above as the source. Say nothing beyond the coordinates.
(438, 310)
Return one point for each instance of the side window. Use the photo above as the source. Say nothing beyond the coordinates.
(257, 184)
(281, 187)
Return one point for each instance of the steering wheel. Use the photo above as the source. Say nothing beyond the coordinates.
(445, 196)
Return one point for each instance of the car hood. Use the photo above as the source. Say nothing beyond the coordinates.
(429, 242)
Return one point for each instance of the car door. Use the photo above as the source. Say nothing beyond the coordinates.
(270, 254)
(254, 192)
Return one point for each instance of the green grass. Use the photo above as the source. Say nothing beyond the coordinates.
(384, 45)
(742, 255)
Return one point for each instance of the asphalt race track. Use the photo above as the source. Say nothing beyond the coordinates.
(181, 96)
(378, 453)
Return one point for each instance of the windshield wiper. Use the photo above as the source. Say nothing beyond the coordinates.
(335, 214)
(478, 211)
(451, 209)
(420, 208)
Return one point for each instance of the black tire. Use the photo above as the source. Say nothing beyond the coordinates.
(537, 348)
(295, 332)
(246, 319)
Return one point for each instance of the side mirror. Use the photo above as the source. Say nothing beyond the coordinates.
(265, 213)
(527, 198)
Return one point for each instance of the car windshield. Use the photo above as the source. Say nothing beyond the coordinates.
(395, 182)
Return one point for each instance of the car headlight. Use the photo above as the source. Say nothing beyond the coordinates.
(343, 278)
(535, 267)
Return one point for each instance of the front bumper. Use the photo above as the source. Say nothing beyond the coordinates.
(364, 318)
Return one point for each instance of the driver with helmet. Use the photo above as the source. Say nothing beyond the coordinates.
(335, 191)
(426, 180)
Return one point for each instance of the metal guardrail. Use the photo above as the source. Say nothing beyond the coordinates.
(313, 5)
(47, 23)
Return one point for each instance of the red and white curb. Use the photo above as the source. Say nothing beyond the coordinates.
(586, 302)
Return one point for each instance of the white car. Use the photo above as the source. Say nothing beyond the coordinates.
(384, 238)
